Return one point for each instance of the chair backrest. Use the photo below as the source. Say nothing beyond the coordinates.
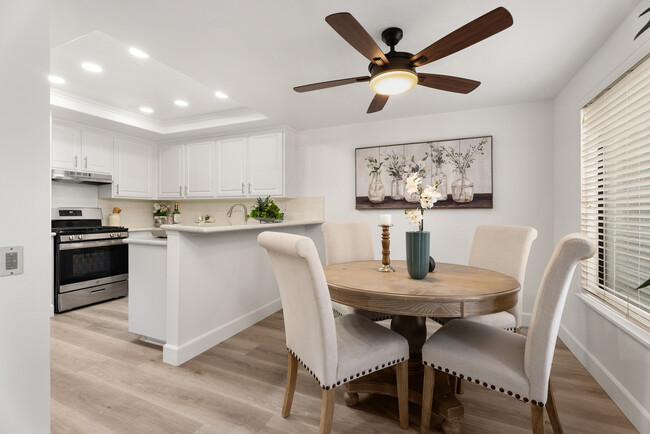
(547, 313)
(306, 303)
(504, 249)
(347, 241)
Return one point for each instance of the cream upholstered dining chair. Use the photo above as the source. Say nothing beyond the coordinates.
(504, 249)
(517, 365)
(347, 242)
(333, 350)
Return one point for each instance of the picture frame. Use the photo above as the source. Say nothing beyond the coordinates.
(462, 169)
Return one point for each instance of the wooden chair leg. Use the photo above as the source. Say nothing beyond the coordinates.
(403, 393)
(537, 418)
(460, 386)
(327, 412)
(427, 399)
(551, 409)
(292, 372)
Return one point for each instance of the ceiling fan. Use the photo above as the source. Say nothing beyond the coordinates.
(394, 72)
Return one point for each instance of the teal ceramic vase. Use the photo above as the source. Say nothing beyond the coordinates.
(417, 254)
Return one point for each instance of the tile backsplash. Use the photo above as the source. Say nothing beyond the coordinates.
(138, 214)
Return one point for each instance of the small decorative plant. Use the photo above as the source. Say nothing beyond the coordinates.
(266, 209)
(428, 197)
(160, 209)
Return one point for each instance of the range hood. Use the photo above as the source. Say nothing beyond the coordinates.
(80, 177)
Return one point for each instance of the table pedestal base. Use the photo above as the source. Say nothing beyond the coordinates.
(384, 382)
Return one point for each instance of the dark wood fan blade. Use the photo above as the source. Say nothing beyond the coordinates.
(377, 103)
(448, 83)
(327, 84)
(475, 31)
(349, 28)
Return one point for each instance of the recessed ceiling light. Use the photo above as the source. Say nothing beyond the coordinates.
(138, 53)
(181, 103)
(56, 79)
(221, 95)
(146, 109)
(92, 67)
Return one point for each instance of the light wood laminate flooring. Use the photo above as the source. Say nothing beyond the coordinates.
(105, 380)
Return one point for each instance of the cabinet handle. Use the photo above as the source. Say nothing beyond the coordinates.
(242, 188)
(75, 161)
(249, 188)
(118, 189)
(86, 162)
(186, 190)
(180, 190)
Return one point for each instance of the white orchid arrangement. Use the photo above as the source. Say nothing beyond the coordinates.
(160, 209)
(428, 197)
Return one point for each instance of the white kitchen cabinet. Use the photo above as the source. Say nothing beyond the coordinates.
(251, 166)
(170, 171)
(96, 151)
(83, 149)
(231, 173)
(66, 146)
(133, 170)
(186, 171)
(199, 169)
(265, 164)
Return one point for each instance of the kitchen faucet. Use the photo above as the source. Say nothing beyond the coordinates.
(229, 213)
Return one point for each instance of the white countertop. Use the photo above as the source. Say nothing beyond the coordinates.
(208, 228)
(153, 241)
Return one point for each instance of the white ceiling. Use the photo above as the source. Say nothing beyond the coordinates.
(257, 51)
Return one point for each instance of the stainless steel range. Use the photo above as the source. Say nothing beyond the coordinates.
(91, 261)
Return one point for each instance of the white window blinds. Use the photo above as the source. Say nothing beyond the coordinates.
(616, 193)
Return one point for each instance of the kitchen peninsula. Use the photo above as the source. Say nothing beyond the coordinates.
(217, 281)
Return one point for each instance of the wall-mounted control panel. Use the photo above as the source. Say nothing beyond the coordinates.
(11, 260)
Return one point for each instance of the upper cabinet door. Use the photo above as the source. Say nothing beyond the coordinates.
(231, 167)
(97, 152)
(133, 174)
(170, 171)
(266, 165)
(199, 169)
(66, 147)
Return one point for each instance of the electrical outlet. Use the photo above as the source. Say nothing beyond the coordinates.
(11, 260)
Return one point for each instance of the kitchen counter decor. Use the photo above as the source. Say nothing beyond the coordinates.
(160, 214)
(266, 211)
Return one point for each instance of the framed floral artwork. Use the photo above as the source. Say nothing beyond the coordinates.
(461, 168)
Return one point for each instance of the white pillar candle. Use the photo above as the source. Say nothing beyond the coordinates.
(385, 219)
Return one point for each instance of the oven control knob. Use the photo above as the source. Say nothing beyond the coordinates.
(80, 237)
(71, 237)
(113, 235)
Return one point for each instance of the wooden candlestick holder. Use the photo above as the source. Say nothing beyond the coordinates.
(385, 252)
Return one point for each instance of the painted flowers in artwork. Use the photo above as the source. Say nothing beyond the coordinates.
(428, 197)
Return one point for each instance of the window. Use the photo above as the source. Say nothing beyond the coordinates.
(615, 192)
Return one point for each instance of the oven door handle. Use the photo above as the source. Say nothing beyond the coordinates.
(89, 244)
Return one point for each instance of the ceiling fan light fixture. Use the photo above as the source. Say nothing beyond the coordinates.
(393, 82)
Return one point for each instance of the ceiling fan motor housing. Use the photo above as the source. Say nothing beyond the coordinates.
(397, 60)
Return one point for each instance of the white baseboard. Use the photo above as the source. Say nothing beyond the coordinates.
(177, 355)
(639, 416)
(51, 310)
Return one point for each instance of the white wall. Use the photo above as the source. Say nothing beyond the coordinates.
(619, 362)
(522, 164)
(24, 220)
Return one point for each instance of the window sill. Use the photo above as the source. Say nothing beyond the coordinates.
(615, 318)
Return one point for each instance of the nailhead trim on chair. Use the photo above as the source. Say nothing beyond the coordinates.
(484, 384)
(441, 322)
(345, 380)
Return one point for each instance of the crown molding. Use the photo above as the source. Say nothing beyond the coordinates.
(72, 102)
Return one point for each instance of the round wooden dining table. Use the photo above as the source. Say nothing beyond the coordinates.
(450, 291)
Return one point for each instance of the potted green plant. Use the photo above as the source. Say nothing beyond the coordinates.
(266, 211)
(160, 211)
